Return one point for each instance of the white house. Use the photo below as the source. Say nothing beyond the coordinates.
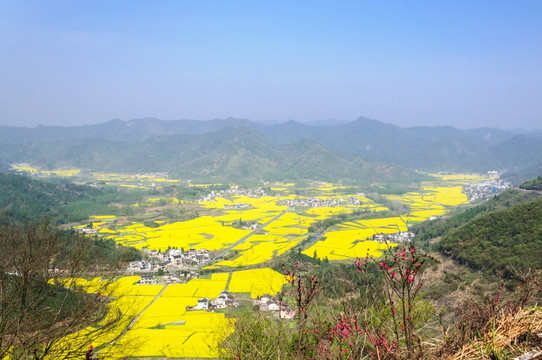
(265, 299)
(147, 280)
(203, 304)
(273, 306)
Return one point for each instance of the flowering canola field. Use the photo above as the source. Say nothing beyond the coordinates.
(432, 201)
(351, 240)
(165, 328)
(280, 228)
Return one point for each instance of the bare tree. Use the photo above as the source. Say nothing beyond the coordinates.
(41, 302)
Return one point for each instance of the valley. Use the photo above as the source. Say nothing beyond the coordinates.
(230, 240)
(189, 262)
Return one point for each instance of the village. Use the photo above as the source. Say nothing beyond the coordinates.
(234, 191)
(486, 189)
(400, 237)
(176, 265)
(317, 202)
(265, 304)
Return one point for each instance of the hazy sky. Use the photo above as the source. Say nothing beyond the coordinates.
(462, 63)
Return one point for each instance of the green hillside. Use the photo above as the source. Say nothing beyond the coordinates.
(497, 241)
(432, 229)
(26, 200)
(233, 154)
(491, 237)
(534, 184)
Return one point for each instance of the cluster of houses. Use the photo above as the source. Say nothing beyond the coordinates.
(224, 300)
(245, 225)
(400, 237)
(89, 231)
(167, 279)
(234, 191)
(316, 202)
(238, 206)
(265, 303)
(171, 259)
(180, 258)
(144, 266)
(486, 189)
(270, 303)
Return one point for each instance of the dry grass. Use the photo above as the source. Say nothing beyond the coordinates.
(506, 338)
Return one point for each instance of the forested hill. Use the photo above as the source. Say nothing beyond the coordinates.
(499, 240)
(26, 200)
(534, 184)
(424, 148)
(493, 237)
(4, 168)
(230, 154)
(433, 229)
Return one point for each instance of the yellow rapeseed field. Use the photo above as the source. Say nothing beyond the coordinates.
(167, 329)
(257, 282)
(165, 326)
(279, 229)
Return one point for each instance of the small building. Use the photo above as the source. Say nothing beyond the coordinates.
(203, 253)
(89, 231)
(265, 299)
(174, 252)
(220, 301)
(273, 306)
(171, 279)
(142, 265)
(286, 313)
(176, 260)
(147, 280)
(203, 304)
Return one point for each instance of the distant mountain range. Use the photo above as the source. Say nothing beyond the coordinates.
(237, 146)
(225, 154)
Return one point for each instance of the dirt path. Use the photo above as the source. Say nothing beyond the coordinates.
(244, 238)
(134, 320)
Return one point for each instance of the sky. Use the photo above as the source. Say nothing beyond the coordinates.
(410, 63)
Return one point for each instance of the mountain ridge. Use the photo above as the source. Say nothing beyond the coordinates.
(439, 148)
(228, 153)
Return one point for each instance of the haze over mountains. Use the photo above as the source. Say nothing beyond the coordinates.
(237, 147)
